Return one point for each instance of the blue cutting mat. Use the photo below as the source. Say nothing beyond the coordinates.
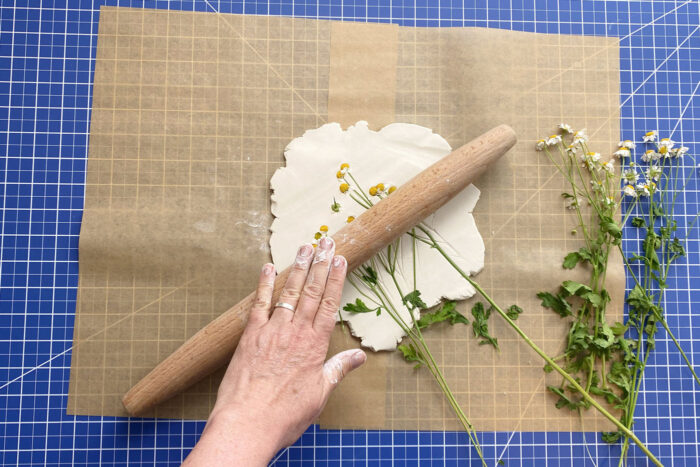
(47, 51)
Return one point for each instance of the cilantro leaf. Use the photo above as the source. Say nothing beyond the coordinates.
(513, 312)
(414, 300)
(556, 303)
(360, 307)
(480, 325)
(571, 260)
(369, 275)
(446, 312)
(410, 354)
(638, 222)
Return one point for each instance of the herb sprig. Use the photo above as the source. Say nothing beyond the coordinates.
(611, 358)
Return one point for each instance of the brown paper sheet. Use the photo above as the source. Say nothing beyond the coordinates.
(191, 113)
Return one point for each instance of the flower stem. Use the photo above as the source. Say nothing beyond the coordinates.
(542, 354)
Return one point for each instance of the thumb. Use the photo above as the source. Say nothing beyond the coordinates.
(340, 365)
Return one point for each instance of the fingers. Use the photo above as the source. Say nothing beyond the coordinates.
(263, 296)
(315, 282)
(292, 288)
(324, 321)
(339, 365)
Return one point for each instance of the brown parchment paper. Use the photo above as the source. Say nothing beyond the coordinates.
(191, 112)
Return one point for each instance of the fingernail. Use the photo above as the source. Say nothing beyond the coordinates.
(268, 269)
(305, 251)
(338, 261)
(326, 243)
(358, 358)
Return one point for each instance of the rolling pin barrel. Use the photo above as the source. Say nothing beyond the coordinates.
(213, 346)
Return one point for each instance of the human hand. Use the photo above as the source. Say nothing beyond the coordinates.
(277, 382)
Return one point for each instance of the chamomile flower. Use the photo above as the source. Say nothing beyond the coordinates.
(622, 152)
(631, 176)
(630, 191)
(391, 189)
(565, 128)
(540, 145)
(608, 166)
(679, 151)
(344, 187)
(627, 144)
(650, 155)
(646, 188)
(571, 149)
(377, 189)
(574, 203)
(553, 140)
(580, 137)
(653, 173)
(596, 186)
(609, 200)
(664, 146)
(649, 137)
(590, 160)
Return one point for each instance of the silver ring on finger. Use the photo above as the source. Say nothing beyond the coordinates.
(285, 305)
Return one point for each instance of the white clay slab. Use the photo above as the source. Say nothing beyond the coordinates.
(303, 191)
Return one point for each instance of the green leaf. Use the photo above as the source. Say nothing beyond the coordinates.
(621, 376)
(676, 247)
(611, 436)
(575, 288)
(360, 307)
(414, 300)
(513, 312)
(618, 328)
(607, 339)
(556, 303)
(369, 275)
(638, 299)
(410, 354)
(446, 312)
(638, 222)
(609, 226)
(480, 325)
(571, 260)
(564, 400)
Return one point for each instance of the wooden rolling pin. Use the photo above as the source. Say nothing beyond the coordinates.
(213, 346)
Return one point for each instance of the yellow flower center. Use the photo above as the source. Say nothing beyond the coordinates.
(339, 174)
(373, 191)
(392, 189)
(663, 150)
(317, 235)
(344, 187)
(648, 133)
(323, 228)
(350, 219)
(380, 187)
(344, 166)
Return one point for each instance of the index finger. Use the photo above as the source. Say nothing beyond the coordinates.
(327, 311)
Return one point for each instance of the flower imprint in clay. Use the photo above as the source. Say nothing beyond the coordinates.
(312, 199)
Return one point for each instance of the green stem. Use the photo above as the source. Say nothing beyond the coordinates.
(543, 355)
